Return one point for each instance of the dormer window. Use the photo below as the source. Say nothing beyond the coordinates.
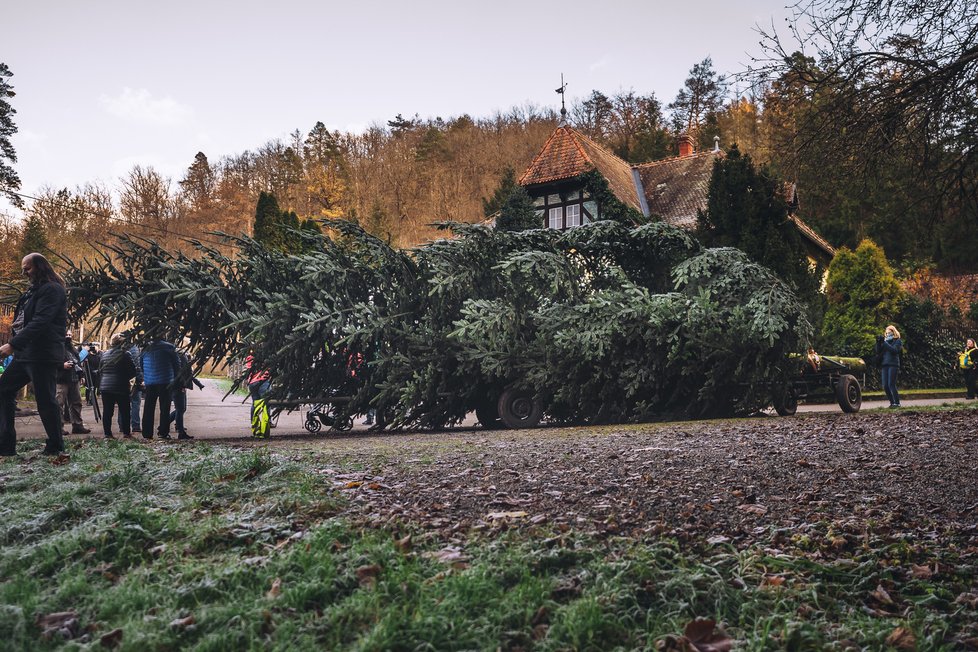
(567, 209)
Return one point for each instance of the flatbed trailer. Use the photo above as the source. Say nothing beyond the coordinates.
(822, 375)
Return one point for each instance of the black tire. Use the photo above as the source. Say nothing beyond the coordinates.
(487, 412)
(343, 424)
(519, 409)
(785, 402)
(848, 393)
(312, 424)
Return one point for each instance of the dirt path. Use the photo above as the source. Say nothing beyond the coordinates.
(845, 477)
(211, 416)
(885, 471)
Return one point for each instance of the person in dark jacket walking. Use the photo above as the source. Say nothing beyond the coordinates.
(135, 395)
(185, 380)
(116, 369)
(69, 392)
(889, 345)
(38, 345)
(160, 366)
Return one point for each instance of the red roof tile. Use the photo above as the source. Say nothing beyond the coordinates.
(568, 153)
(560, 158)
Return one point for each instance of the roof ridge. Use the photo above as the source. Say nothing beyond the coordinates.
(649, 164)
(574, 132)
(597, 145)
(546, 148)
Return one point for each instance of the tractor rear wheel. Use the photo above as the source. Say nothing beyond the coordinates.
(519, 409)
(848, 393)
(785, 402)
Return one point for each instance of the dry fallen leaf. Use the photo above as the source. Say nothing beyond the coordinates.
(921, 572)
(492, 516)
(111, 639)
(183, 623)
(448, 555)
(276, 589)
(772, 580)
(902, 638)
(367, 575)
(404, 545)
(760, 510)
(700, 635)
(881, 596)
(62, 623)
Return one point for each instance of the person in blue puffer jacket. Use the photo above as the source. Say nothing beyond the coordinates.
(888, 346)
(160, 365)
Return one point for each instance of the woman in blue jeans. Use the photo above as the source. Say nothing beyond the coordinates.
(889, 346)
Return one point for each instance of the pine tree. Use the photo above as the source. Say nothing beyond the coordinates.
(746, 209)
(698, 101)
(518, 213)
(34, 237)
(326, 171)
(507, 184)
(267, 215)
(9, 180)
(200, 183)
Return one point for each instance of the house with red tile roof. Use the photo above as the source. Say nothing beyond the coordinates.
(673, 190)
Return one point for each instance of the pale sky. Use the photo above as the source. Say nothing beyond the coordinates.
(105, 84)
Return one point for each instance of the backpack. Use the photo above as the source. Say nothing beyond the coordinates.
(965, 361)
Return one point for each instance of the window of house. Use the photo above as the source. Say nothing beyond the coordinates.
(567, 209)
(572, 215)
(556, 218)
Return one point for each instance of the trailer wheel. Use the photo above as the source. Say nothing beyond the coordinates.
(519, 409)
(487, 412)
(848, 394)
(312, 424)
(343, 424)
(785, 402)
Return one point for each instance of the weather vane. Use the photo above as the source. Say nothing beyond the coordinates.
(562, 90)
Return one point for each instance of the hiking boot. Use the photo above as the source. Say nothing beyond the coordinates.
(184, 435)
(165, 435)
(79, 430)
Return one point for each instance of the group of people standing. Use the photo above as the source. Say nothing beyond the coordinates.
(45, 357)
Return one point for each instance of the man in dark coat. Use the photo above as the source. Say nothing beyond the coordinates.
(69, 396)
(40, 322)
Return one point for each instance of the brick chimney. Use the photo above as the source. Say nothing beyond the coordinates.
(685, 145)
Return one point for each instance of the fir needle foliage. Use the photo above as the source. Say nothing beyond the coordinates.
(601, 323)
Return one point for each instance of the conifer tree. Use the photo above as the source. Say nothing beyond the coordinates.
(9, 180)
(603, 322)
(863, 295)
(34, 237)
(507, 184)
(746, 209)
(518, 212)
(267, 215)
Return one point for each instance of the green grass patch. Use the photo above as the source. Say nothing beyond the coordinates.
(217, 548)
